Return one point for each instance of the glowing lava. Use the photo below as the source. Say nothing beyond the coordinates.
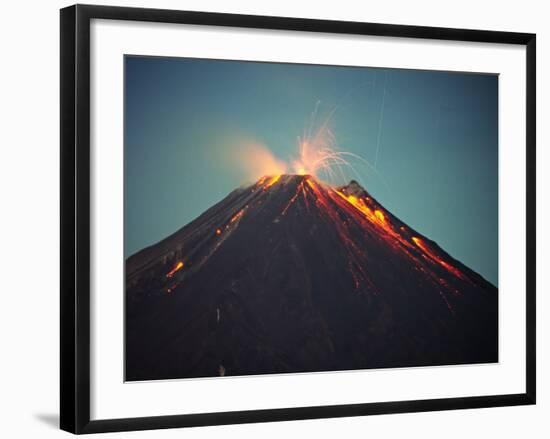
(435, 258)
(375, 216)
(235, 217)
(380, 215)
(299, 189)
(178, 267)
(397, 238)
(272, 181)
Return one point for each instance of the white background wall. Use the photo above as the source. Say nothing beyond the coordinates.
(29, 200)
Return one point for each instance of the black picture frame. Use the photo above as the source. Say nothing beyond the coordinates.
(75, 217)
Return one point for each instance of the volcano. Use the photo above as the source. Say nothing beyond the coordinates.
(293, 275)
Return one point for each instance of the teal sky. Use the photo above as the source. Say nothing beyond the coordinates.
(432, 137)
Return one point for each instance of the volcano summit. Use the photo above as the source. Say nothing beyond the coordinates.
(293, 275)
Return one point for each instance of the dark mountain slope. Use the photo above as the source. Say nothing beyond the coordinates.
(291, 275)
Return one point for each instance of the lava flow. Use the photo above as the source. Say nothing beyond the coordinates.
(292, 274)
(178, 267)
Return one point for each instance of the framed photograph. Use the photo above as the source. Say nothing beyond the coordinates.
(267, 219)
